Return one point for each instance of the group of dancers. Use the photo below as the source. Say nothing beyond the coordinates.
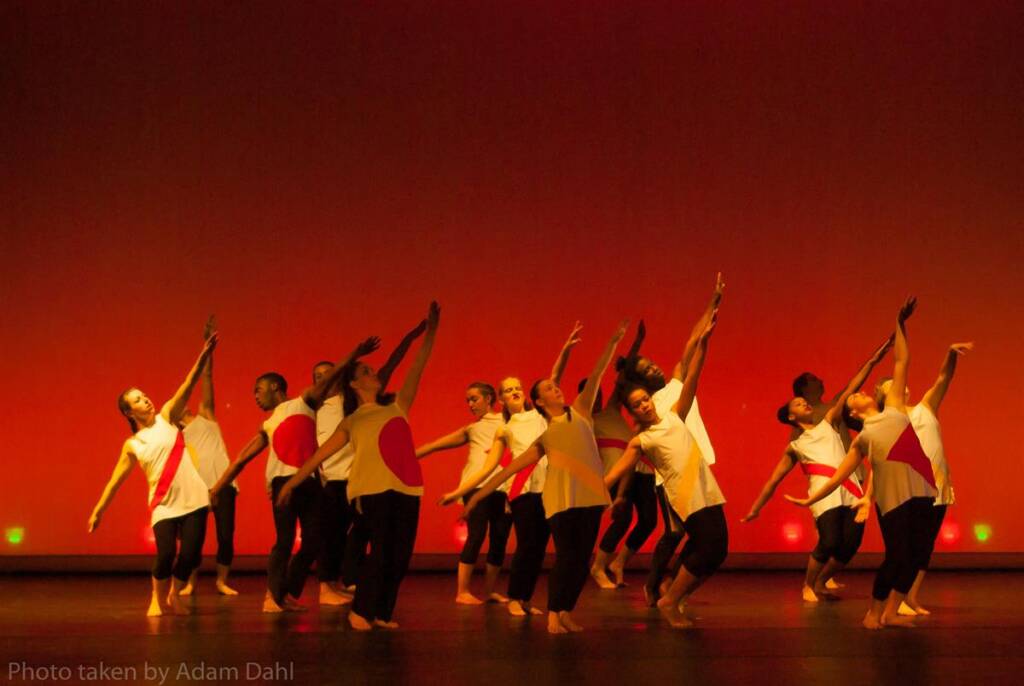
(343, 468)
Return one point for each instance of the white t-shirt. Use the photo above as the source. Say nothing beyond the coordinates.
(291, 434)
(209, 454)
(663, 401)
(689, 484)
(521, 430)
(820, 451)
(152, 446)
(481, 437)
(337, 466)
(926, 426)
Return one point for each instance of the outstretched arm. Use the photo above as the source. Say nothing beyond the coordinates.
(689, 390)
(316, 394)
(901, 355)
(174, 408)
(835, 413)
(691, 343)
(784, 467)
(584, 403)
(398, 354)
(249, 451)
(528, 457)
(412, 379)
(121, 471)
(206, 380)
(336, 442)
(490, 464)
(843, 472)
(453, 440)
(563, 355)
(624, 465)
(933, 397)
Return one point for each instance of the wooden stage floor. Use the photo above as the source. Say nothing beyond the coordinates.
(753, 629)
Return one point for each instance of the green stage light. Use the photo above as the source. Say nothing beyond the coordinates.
(15, 535)
(982, 532)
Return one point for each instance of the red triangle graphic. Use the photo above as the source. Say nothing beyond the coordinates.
(907, 448)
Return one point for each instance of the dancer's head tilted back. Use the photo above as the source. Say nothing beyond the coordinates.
(480, 398)
(548, 398)
(270, 390)
(322, 369)
(136, 407)
(809, 387)
(642, 371)
(360, 384)
(882, 389)
(796, 412)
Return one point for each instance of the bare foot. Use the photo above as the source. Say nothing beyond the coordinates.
(912, 607)
(808, 594)
(186, 590)
(675, 618)
(651, 596)
(468, 599)
(154, 607)
(834, 585)
(601, 577)
(872, 622)
(497, 598)
(516, 609)
(618, 574)
(895, 620)
(824, 594)
(175, 605)
(329, 596)
(566, 620)
(554, 625)
(270, 605)
(532, 610)
(358, 623)
(385, 625)
(664, 586)
(351, 590)
(224, 589)
(292, 604)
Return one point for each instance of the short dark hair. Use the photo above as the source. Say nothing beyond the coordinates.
(801, 382)
(321, 363)
(486, 389)
(276, 379)
(627, 390)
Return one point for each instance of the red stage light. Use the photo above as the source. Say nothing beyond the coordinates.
(949, 533)
(461, 532)
(792, 532)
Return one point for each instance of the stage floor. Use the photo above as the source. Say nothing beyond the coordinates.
(753, 629)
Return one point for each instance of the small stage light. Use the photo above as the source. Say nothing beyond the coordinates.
(792, 532)
(461, 532)
(950, 533)
(982, 532)
(15, 535)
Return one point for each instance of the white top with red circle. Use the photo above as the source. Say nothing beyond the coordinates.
(385, 456)
(291, 434)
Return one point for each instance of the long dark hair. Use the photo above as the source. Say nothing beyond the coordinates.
(350, 399)
(125, 408)
(535, 394)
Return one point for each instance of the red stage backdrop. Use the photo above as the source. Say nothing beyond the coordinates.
(314, 175)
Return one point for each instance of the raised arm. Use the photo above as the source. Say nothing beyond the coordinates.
(901, 355)
(784, 467)
(412, 379)
(455, 439)
(843, 472)
(835, 413)
(933, 397)
(121, 471)
(316, 394)
(679, 371)
(206, 406)
(398, 354)
(528, 457)
(563, 355)
(490, 464)
(174, 408)
(689, 390)
(333, 444)
(584, 403)
(249, 451)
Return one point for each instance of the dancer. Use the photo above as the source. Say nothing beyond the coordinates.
(902, 482)
(818, 450)
(523, 425)
(290, 433)
(690, 487)
(178, 499)
(574, 495)
(642, 371)
(493, 515)
(385, 482)
(205, 443)
(924, 416)
(613, 434)
(345, 534)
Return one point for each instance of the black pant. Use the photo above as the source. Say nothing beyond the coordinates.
(391, 519)
(532, 534)
(191, 529)
(575, 533)
(707, 541)
(666, 546)
(938, 515)
(336, 520)
(224, 521)
(355, 548)
(640, 495)
(491, 514)
(906, 531)
(839, 535)
(286, 573)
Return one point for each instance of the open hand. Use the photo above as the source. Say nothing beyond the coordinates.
(366, 347)
(962, 348)
(751, 516)
(802, 502)
(574, 335)
(907, 309)
(94, 521)
(433, 316)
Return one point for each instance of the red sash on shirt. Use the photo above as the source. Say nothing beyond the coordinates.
(829, 472)
(170, 470)
(519, 481)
